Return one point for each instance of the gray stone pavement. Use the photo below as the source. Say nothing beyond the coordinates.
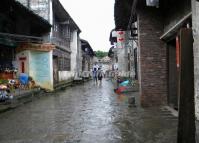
(197, 131)
(87, 113)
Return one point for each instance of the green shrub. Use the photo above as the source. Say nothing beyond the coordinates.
(3, 81)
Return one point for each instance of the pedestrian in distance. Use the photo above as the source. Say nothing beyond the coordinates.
(100, 75)
(95, 74)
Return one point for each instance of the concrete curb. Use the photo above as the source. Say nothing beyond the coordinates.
(28, 96)
(19, 99)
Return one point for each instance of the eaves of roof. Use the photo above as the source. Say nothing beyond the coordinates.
(85, 44)
(122, 13)
(28, 11)
(63, 14)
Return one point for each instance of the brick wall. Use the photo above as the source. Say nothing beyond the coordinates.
(152, 54)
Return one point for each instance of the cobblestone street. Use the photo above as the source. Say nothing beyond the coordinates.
(87, 113)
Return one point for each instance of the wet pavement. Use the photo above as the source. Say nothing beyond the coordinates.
(87, 113)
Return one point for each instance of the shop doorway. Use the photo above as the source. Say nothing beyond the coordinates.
(22, 67)
(172, 74)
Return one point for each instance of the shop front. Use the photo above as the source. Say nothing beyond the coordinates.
(8, 67)
(7, 61)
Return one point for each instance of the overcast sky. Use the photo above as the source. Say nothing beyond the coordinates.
(95, 18)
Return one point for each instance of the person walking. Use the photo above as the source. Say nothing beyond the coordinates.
(95, 70)
(100, 75)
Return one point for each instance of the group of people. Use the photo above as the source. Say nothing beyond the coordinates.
(97, 73)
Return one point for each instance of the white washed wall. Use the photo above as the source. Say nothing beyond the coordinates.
(73, 46)
(66, 75)
(40, 68)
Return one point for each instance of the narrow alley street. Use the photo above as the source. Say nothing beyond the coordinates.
(145, 52)
(86, 113)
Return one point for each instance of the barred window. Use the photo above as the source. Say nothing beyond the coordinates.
(64, 64)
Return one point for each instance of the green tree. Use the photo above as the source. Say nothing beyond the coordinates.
(101, 54)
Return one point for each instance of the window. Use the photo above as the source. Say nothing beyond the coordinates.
(64, 64)
(55, 27)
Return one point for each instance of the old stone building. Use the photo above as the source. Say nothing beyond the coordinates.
(87, 55)
(64, 35)
(22, 45)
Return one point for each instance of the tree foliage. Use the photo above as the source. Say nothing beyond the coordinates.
(101, 54)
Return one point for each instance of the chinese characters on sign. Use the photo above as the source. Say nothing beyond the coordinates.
(120, 39)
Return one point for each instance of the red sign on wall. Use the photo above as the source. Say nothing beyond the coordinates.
(120, 39)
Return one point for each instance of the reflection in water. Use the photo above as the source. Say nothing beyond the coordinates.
(85, 114)
(122, 98)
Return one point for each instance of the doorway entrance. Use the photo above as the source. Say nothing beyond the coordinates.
(172, 74)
